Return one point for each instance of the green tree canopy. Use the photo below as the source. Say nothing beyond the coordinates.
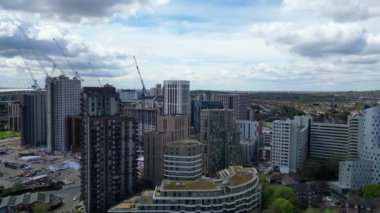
(281, 205)
(41, 208)
(311, 210)
(272, 192)
(371, 191)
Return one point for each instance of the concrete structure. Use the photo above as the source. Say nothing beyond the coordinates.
(14, 116)
(63, 99)
(248, 152)
(328, 141)
(220, 139)
(74, 132)
(33, 119)
(354, 174)
(146, 116)
(127, 95)
(157, 90)
(169, 128)
(200, 105)
(108, 157)
(177, 97)
(249, 130)
(354, 129)
(369, 149)
(236, 189)
(236, 101)
(290, 143)
(183, 160)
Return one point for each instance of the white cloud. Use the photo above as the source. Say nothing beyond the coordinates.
(337, 10)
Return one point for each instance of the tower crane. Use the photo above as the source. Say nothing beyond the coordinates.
(33, 50)
(76, 74)
(96, 75)
(35, 83)
(144, 94)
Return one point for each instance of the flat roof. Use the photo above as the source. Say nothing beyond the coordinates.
(185, 142)
(16, 90)
(190, 185)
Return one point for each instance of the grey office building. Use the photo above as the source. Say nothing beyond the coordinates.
(176, 97)
(63, 99)
(108, 155)
(220, 138)
(33, 119)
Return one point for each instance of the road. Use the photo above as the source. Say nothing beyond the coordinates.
(67, 193)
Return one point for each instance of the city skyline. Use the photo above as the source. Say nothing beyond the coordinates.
(260, 45)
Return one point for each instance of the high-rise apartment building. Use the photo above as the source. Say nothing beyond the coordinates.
(329, 141)
(176, 97)
(108, 155)
(200, 105)
(183, 160)
(146, 118)
(62, 99)
(220, 139)
(169, 128)
(290, 143)
(33, 119)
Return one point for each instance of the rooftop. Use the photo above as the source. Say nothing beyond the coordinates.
(189, 185)
(186, 142)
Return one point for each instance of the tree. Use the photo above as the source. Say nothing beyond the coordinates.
(18, 186)
(371, 191)
(311, 210)
(272, 192)
(329, 211)
(41, 207)
(281, 205)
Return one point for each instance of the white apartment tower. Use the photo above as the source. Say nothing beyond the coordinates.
(290, 143)
(176, 97)
(62, 99)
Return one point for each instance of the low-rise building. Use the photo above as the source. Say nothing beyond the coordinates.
(236, 189)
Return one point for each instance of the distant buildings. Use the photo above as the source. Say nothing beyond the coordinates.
(63, 99)
(108, 157)
(176, 97)
(33, 119)
(198, 107)
(220, 139)
(235, 189)
(238, 102)
(290, 143)
(169, 128)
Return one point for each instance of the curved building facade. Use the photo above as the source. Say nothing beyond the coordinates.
(183, 160)
(236, 189)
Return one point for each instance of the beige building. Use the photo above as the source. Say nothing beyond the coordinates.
(169, 128)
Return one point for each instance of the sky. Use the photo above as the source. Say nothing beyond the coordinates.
(248, 45)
